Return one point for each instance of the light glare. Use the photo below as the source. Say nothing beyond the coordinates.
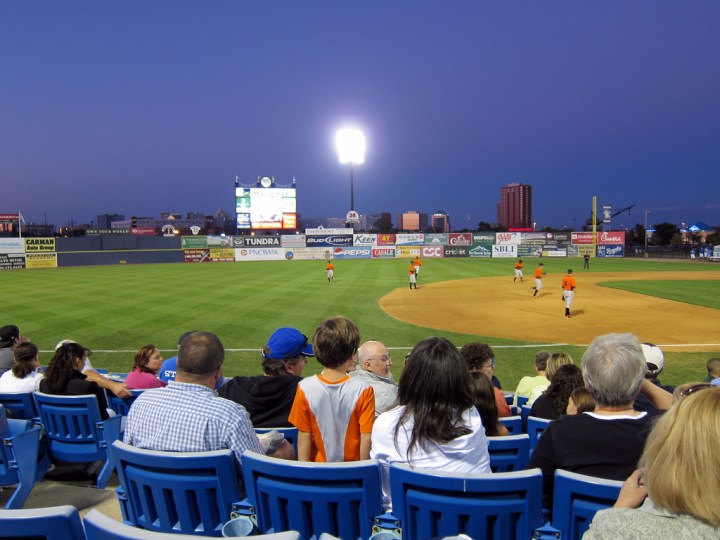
(350, 143)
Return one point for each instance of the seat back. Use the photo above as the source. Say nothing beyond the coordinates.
(509, 453)
(290, 434)
(435, 504)
(20, 405)
(524, 413)
(576, 498)
(19, 447)
(535, 428)
(513, 424)
(341, 499)
(54, 523)
(120, 405)
(176, 492)
(522, 400)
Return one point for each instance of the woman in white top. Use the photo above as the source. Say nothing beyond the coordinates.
(436, 425)
(23, 377)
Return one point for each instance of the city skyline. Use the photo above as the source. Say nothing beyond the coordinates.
(144, 107)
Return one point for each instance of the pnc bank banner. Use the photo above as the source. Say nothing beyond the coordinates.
(259, 254)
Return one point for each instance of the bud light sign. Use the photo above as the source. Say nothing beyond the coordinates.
(330, 240)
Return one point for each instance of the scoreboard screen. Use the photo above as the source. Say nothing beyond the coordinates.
(266, 207)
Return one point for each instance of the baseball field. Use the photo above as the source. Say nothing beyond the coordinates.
(115, 310)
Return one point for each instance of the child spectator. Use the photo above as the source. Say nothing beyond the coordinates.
(713, 369)
(23, 377)
(581, 401)
(333, 412)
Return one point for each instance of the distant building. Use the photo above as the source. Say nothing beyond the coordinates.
(104, 221)
(412, 220)
(441, 221)
(515, 206)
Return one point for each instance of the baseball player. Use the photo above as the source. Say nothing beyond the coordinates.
(330, 271)
(568, 286)
(417, 264)
(413, 275)
(586, 262)
(539, 273)
(518, 270)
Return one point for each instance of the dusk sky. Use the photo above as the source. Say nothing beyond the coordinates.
(144, 106)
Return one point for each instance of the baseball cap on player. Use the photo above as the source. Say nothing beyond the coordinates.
(654, 358)
(287, 343)
(8, 334)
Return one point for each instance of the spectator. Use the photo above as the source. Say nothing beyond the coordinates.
(479, 357)
(144, 374)
(24, 375)
(333, 412)
(10, 338)
(117, 388)
(554, 402)
(581, 401)
(268, 398)
(436, 425)
(655, 362)
(484, 399)
(526, 384)
(713, 369)
(555, 361)
(608, 442)
(375, 362)
(64, 376)
(187, 415)
(672, 495)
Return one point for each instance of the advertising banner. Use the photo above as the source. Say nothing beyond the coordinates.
(12, 245)
(561, 237)
(554, 251)
(483, 251)
(456, 251)
(41, 260)
(483, 238)
(386, 239)
(39, 244)
(430, 252)
(259, 254)
(574, 250)
(328, 231)
(460, 239)
(364, 239)
(508, 239)
(352, 253)
(261, 241)
(436, 239)
(383, 253)
(611, 251)
(98, 232)
(407, 252)
(209, 255)
(143, 231)
(194, 242)
(329, 240)
(293, 240)
(613, 238)
(582, 249)
(581, 237)
(409, 239)
(505, 251)
(222, 241)
(307, 254)
(12, 261)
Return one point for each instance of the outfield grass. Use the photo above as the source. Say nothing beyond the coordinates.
(116, 309)
(707, 294)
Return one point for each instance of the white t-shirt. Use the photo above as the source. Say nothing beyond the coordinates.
(466, 454)
(10, 383)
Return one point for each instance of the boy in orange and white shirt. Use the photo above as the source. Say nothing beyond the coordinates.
(333, 412)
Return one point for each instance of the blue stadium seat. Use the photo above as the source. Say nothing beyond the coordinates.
(513, 424)
(176, 492)
(290, 433)
(54, 523)
(121, 406)
(576, 498)
(75, 432)
(341, 499)
(18, 458)
(535, 428)
(510, 453)
(429, 504)
(19, 405)
(524, 413)
(522, 400)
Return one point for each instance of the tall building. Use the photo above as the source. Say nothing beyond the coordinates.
(515, 206)
(412, 220)
(441, 221)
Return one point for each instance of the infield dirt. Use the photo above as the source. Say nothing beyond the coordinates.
(500, 308)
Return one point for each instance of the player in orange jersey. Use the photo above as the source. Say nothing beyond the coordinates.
(518, 270)
(539, 273)
(413, 276)
(417, 264)
(330, 271)
(568, 286)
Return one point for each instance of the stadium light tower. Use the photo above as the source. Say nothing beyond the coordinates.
(350, 143)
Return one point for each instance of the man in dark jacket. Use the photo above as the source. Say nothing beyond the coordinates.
(268, 398)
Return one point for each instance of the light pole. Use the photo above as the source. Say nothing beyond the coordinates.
(350, 143)
(646, 233)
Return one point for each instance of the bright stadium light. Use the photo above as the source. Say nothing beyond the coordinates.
(350, 143)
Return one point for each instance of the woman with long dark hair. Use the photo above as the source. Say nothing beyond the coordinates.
(485, 404)
(435, 425)
(553, 403)
(64, 377)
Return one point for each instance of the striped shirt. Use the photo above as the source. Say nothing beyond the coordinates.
(184, 417)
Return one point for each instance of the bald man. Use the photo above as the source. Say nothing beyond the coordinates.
(374, 367)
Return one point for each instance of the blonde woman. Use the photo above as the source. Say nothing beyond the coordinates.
(554, 362)
(674, 494)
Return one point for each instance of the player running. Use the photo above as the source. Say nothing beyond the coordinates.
(518, 270)
(539, 273)
(568, 285)
(330, 271)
